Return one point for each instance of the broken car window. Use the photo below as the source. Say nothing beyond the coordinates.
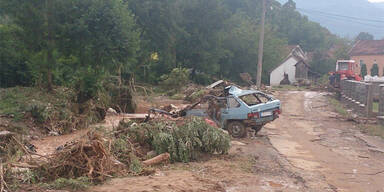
(232, 103)
(254, 99)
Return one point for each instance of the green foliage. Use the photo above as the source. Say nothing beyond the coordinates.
(135, 164)
(40, 111)
(375, 70)
(175, 81)
(364, 36)
(88, 83)
(56, 42)
(13, 67)
(363, 70)
(183, 142)
(63, 37)
(80, 183)
(195, 96)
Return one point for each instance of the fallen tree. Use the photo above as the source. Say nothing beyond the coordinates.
(184, 140)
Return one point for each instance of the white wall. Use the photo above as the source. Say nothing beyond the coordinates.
(288, 67)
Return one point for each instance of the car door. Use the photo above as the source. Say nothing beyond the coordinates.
(233, 110)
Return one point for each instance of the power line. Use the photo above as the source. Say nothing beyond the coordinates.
(342, 16)
(347, 19)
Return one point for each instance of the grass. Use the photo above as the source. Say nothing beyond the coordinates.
(338, 106)
(371, 129)
(15, 101)
(375, 130)
(80, 183)
(288, 88)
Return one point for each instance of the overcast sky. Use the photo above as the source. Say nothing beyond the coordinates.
(376, 0)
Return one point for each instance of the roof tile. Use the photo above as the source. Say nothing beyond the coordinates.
(368, 47)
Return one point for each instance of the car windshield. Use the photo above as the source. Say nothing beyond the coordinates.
(255, 99)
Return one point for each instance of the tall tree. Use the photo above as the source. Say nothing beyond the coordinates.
(364, 36)
(63, 37)
(363, 70)
(375, 70)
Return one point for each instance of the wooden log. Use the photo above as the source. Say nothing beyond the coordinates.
(157, 160)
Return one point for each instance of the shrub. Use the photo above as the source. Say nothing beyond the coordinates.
(375, 70)
(88, 83)
(363, 70)
(174, 81)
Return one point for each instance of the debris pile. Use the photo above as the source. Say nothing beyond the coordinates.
(183, 140)
(88, 157)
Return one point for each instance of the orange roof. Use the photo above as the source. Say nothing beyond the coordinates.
(368, 47)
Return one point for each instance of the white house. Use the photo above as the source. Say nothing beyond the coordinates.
(294, 67)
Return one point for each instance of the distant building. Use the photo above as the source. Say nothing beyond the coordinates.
(292, 69)
(368, 52)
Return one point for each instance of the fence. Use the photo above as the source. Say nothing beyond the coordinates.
(364, 97)
(358, 96)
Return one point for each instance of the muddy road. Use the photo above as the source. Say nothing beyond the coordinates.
(325, 148)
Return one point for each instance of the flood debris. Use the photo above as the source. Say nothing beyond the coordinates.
(88, 157)
(185, 140)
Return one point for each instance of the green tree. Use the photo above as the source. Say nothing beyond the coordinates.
(13, 65)
(63, 37)
(375, 70)
(364, 36)
(363, 70)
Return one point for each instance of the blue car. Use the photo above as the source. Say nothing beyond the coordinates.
(238, 109)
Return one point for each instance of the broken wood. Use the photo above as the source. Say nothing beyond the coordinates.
(5, 133)
(3, 184)
(157, 160)
(215, 84)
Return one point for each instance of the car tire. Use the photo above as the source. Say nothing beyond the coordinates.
(257, 128)
(237, 129)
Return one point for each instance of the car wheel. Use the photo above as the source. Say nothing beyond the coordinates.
(237, 129)
(257, 128)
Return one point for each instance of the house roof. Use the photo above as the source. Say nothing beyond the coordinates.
(368, 47)
(291, 53)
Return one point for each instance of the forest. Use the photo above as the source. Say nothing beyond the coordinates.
(81, 43)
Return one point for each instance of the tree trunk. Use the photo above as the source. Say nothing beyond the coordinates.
(157, 160)
(50, 60)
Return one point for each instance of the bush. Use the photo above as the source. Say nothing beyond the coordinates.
(174, 81)
(375, 70)
(363, 70)
(183, 142)
(88, 83)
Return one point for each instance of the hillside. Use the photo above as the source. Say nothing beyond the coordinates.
(340, 16)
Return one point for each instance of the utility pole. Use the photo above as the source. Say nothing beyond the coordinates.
(261, 48)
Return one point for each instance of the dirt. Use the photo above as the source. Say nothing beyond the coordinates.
(304, 150)
(325, 147)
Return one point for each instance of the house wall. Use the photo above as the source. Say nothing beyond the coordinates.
(287, 67)
(301, 71)
(369, 60)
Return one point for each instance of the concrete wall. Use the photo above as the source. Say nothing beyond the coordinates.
(358, 96)
(376, 89)
(287, 67)
(369, 60)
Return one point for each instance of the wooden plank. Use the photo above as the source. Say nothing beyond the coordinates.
(215, 84)
(134, 115)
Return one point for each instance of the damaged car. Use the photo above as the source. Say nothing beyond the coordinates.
(234, 110)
